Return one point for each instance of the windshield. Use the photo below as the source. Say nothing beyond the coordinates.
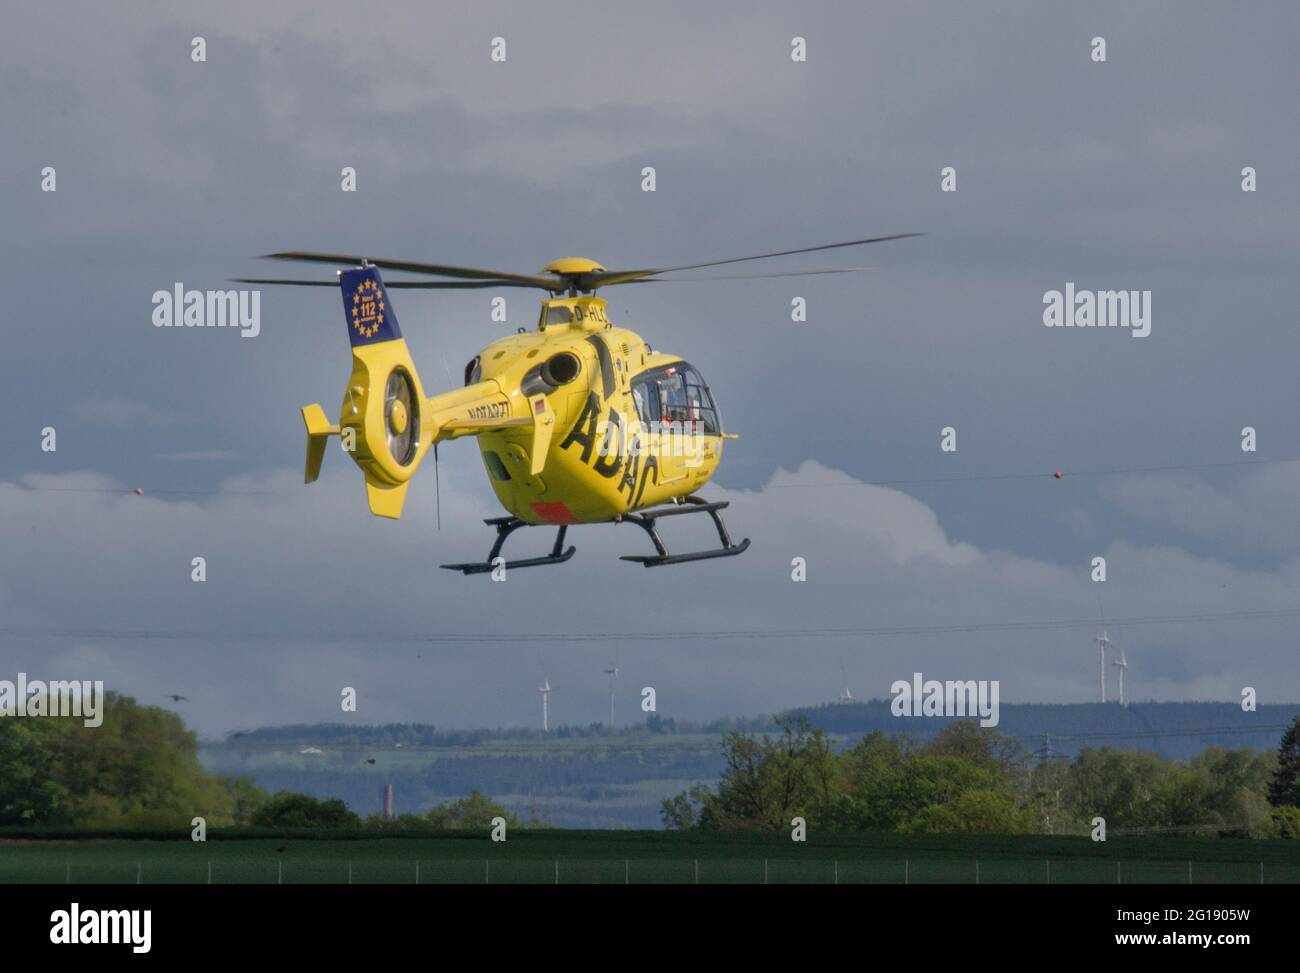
(676, 396)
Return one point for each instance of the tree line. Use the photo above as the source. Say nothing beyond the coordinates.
(140, 769)
(974, 780)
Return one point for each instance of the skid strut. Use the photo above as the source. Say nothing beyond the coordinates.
(505, 527)
(646, 521)
(689, 505)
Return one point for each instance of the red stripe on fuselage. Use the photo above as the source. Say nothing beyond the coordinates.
(554, 512)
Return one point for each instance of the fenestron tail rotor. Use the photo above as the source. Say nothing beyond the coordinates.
(401, 416)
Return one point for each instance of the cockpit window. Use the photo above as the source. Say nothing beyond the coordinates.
(559, 314)
(675, 396)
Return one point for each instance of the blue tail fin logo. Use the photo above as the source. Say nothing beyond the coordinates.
(371, 318)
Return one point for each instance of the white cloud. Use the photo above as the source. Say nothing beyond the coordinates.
(287, 562)
(1257, 514)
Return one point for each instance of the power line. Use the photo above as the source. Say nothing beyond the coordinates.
(140, 491)
(623, 635)
(915, 481)
(1054, 475)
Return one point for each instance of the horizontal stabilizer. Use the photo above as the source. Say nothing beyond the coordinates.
(319, 430)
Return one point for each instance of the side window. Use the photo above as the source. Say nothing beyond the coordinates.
(645, 393)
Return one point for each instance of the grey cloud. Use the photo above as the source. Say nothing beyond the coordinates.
(1123, 174)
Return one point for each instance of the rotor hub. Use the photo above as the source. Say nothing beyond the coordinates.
(571, 266)
(397, 417)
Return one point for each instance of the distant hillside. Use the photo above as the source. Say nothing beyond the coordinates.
(429, 735)
(593, 777)
(1175, 730)
(598, 783)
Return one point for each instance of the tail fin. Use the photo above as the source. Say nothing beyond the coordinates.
(386, 501)
(370, 315)
(384, 420)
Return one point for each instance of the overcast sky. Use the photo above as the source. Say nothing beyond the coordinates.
(1123, 174)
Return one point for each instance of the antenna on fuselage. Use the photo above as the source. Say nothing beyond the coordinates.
(437, 489)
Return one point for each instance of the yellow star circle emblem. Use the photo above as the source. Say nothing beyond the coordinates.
(367, 288)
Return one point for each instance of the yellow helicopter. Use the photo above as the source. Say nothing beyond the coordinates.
(578, 422)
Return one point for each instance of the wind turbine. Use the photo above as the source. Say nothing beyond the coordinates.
(545, 690)
(1121, 665)
(847, 695)
(1102, 641)
(612, 672)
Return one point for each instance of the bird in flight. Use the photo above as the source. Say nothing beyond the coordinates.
(178, 699)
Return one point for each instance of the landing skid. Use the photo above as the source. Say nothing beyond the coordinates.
(505, 527)
(646, 521)
(689, 505)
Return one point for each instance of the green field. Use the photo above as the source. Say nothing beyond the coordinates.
(642, 857)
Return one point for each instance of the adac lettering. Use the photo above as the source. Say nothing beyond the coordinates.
(584, 430)
(638, 471)
(614, 454)
(609, 459)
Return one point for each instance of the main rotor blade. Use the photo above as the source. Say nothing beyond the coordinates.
(608, 277)
(448, 285)
(792, 273)
(437, 270)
